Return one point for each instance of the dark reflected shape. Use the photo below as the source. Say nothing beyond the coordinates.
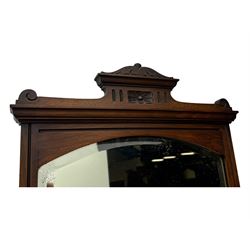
(161, 162)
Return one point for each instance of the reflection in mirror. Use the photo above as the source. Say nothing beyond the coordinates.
(135, 162)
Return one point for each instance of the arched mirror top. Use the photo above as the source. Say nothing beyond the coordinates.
(135, 162)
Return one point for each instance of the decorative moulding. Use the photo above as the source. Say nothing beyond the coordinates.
(137, 101)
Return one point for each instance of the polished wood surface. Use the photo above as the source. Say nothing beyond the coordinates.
(137, 102)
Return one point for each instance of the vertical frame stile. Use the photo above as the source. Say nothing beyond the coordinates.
(34, 155)
(24, 155)
(230, 163)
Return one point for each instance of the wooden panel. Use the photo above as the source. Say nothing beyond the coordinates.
(55, 143)
(48, 144)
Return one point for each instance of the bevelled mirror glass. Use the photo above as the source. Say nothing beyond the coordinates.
(135, 162)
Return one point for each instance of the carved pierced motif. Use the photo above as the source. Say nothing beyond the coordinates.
(140, 97)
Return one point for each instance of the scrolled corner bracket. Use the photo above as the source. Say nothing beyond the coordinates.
(28, 95)
(223, 102)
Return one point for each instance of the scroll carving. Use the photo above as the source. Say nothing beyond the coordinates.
(223, 102)
(27, 95)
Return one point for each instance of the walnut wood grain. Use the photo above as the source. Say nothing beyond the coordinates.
(137, 101)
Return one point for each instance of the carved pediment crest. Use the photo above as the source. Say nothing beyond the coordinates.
(138, 71)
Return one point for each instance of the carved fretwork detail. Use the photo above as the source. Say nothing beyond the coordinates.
(165, 96)
(113, 95)
(140, 97)
(121, 95)
(158, 96)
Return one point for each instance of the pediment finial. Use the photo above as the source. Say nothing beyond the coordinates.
(138, 71)
(135, 75)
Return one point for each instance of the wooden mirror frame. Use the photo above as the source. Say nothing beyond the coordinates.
(137, 102)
